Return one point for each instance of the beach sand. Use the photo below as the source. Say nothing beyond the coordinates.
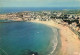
(70, 44)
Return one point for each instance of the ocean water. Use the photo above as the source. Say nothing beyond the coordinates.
(20, 9)
(25, 38)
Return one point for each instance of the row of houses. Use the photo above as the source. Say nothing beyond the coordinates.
(73, 25)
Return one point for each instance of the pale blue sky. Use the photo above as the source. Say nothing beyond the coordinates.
(39, 3)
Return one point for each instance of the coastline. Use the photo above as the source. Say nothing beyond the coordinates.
(70, 44)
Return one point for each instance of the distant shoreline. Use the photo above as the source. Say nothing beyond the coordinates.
(11, 21)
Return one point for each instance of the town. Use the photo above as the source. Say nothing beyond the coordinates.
(66, 17)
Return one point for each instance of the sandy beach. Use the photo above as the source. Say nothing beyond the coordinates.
(70, 44)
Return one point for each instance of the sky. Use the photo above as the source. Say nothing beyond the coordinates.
(39, 3)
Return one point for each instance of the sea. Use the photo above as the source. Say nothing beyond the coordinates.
(20, 9)
(27, 38)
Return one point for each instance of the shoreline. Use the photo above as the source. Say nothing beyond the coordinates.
(70, 44)
(56, 47)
